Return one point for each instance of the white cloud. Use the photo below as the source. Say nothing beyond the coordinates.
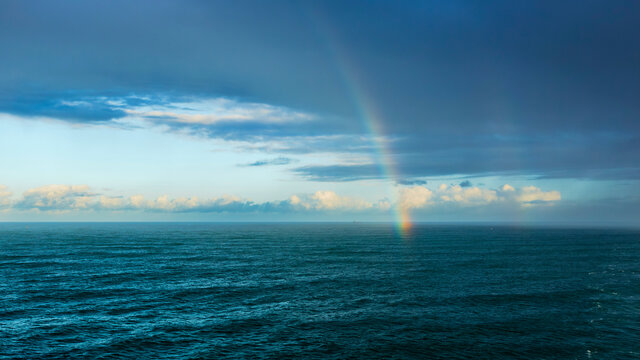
(56, 197)
(414, 197)
(466, 196)
(531, 195)
(419, 196)
(331, 201)
(63, 198)
(137, 201)
(507, 187)
(295, 200)
(107, 202)
(165, 203)
(5, 197)
(212, 111)
(320, 200)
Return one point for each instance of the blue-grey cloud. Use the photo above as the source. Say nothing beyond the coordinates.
(276, 161)
(465, 184)
(411, 182)
(65, 106)
(340, 172)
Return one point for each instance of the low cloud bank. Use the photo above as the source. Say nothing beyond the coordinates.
(418, 197)
(67, 198)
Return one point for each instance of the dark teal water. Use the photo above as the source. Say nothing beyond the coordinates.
(189, 291)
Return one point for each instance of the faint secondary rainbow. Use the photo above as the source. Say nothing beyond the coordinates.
(372, 122)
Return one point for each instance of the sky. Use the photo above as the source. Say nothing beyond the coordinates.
(410, 111)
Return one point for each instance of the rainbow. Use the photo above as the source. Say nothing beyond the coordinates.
(383, 155)
(372, 122)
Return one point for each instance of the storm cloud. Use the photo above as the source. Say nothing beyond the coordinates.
(547, 89)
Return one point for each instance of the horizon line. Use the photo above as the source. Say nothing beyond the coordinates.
(581, 224)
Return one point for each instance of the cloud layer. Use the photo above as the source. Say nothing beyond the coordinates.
(418, 197)
(466, 89)
(69, 198)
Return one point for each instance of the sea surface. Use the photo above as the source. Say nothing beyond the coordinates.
(324, 291)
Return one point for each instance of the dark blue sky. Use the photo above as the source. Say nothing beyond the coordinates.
(543, 89)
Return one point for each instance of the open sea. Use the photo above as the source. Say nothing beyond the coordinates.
(323, 291)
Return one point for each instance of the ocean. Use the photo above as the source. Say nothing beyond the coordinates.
(317, 291)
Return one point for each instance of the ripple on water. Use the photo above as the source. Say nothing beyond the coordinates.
(176, 291)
